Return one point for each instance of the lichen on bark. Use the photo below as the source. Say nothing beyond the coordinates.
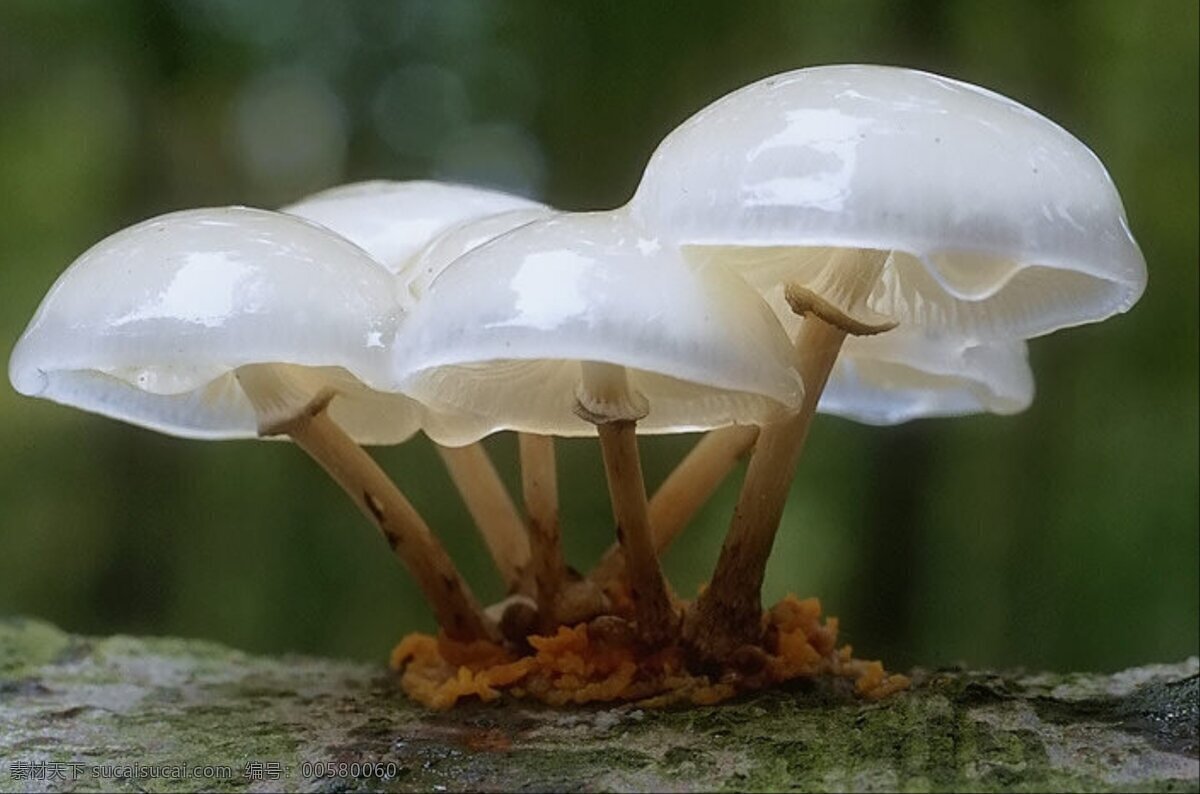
(69, 705)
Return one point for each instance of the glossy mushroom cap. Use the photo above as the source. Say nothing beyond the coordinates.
(152, 324)
(886, 379)
(914, 373)
(392, 221)
(419, 272)
(501, 334)
(1002, 224)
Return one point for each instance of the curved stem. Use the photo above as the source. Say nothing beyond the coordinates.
(493, 512)
(405, 531)
(728, 614)
(687, 488)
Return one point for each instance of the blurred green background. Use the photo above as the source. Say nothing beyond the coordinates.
(1064, 537)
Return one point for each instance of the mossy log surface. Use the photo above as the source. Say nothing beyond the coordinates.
(71, 705)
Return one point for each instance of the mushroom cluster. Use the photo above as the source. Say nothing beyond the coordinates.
(872, 242)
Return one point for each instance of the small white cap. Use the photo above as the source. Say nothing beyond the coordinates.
(1003, 225)
(151, 324)
(421, 270)
(912, 373)
(889, 379)
(392, 221)
(501, 335)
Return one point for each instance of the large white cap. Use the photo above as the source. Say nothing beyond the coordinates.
(501, 334)
(912, 372)
(394, 220)
(150, 325)
(1003, 224)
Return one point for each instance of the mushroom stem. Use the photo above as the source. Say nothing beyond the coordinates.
(539, 482)
(607, 400)
(405, 531)
(728, 614)
(656, 617)
(493, 511)
(285, 404)
(684, 492)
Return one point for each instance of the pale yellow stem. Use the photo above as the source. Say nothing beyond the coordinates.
(657, 622)
(688, 487)
(728, 614)
(606, 399)
(539, 480)
(493, 511)
(405, 531)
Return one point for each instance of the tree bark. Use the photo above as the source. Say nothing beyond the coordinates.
(70, 705)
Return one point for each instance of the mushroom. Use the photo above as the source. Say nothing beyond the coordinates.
(415, 229)
(583, 325)
(877, 197)
(235, 323)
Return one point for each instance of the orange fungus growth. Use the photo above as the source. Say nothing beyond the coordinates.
(600, 662)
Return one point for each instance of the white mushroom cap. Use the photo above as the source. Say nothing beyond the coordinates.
(392, 221)
(913, 373)
(421, 270)
(886, 379)
(151, 324)
(1003, 224)
(502, 332)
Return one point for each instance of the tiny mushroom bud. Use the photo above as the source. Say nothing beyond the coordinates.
(236, 322)
(585, 324)
(876, 197)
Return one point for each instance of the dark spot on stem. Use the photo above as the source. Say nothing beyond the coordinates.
(374, 505)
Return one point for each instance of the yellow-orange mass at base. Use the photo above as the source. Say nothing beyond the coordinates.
(601, 662)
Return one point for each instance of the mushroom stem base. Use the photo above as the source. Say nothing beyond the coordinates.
(689, 486)
(728, 614)
(657, 618)
(493, 511)
(405, 531)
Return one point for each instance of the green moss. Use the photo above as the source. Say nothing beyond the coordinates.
(26, 645)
